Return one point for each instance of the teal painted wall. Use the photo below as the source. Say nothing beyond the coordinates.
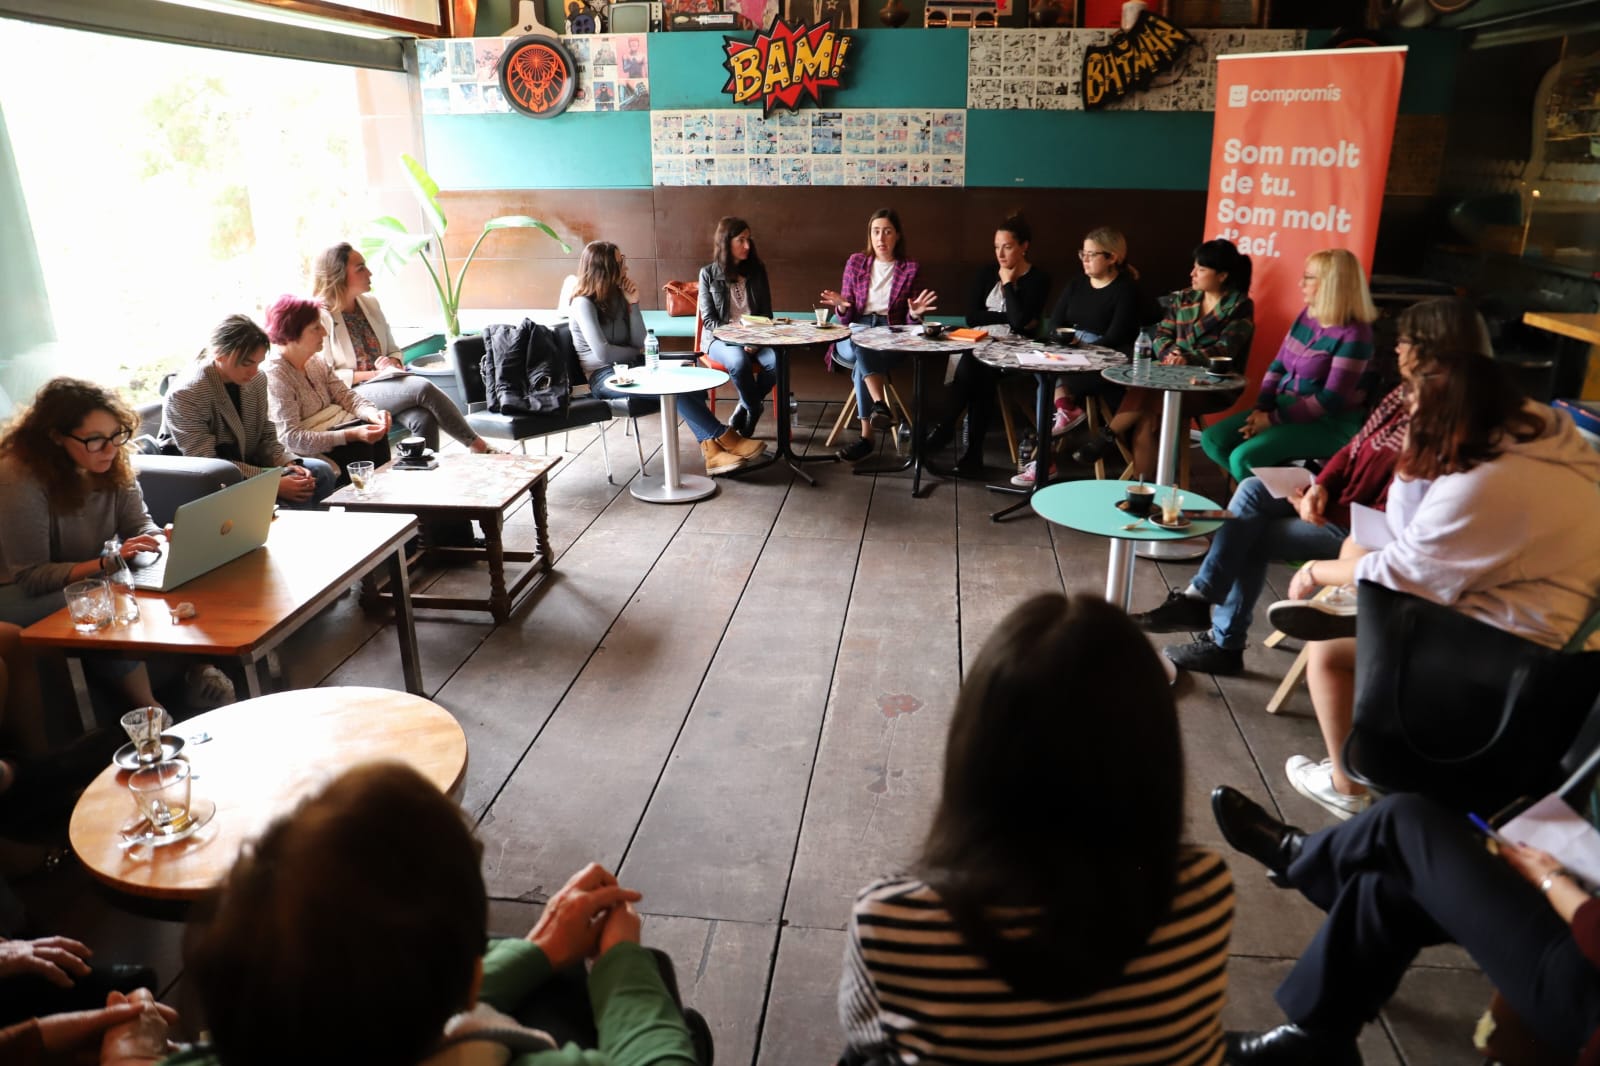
(908, 68)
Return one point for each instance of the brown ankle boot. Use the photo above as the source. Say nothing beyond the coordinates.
(743, 447)
(718, 460)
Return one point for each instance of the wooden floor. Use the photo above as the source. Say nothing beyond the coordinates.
(740, 705)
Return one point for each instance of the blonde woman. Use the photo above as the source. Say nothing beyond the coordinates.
(362, 352)
(1313, 397)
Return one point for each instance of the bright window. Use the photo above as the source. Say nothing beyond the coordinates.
(175, 187)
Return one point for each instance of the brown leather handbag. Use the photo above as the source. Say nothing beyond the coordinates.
(683, 298)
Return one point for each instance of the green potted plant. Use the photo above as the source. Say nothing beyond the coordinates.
(387, 243)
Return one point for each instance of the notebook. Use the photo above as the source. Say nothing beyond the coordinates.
(213, 530)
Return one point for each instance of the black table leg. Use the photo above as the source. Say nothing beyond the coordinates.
(1042, 450)
(785, 431)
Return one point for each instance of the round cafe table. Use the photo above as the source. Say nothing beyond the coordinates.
(1173, 381)
(1091, 507)
(785, 339)
(908, 340)
(262, 757)
(1046, 361)
(670, 382)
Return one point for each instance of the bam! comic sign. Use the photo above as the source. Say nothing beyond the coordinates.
(1131, 60)
(787, 62)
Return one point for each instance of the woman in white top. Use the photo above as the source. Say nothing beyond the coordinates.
(1493, 508)
(316, 413)
(879, 289)
(363, 353)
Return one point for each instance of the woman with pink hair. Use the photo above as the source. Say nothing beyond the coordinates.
(316, 414)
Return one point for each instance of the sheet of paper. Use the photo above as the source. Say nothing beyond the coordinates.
(1550, 825)
(1370, 527)
(1282, 481)
(1036, 359)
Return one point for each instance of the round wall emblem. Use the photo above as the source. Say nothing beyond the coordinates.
(538, 75)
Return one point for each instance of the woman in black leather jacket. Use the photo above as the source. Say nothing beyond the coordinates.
(732, 285)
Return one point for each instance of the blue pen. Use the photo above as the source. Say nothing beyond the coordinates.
(1490, 831)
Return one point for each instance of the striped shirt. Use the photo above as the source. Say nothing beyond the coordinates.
(1188, 331)
(1319, 371)
(912, 990)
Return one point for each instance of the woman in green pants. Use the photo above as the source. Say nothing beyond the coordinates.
(1313, 398)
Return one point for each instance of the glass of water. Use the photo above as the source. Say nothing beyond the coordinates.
(162, 793)
(89, 603)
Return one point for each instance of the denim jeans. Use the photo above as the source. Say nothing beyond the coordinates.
(863, 362)
(1235, 569)
(752, 385)
(326, 480)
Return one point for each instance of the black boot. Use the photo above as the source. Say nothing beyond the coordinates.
(1290, 1045)
(1250, 829)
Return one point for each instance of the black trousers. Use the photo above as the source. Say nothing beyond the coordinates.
(1407, 874)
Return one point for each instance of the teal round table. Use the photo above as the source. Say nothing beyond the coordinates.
(1091, 507)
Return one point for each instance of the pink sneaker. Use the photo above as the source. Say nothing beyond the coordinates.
(1066, 419)
(1025, 479)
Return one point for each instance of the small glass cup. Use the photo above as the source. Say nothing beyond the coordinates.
(144, 726)
(619, 372)
(162, 793)
(89, 603)
(822, 314)
(361, 476)
(1171, 502)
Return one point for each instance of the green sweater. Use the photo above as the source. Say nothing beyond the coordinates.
(636, 1018)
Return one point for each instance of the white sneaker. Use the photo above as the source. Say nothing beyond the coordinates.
(207, 688)
(1314, 781)
(1066, 419)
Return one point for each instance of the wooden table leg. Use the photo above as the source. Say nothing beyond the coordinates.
(541, 523)
(405, 623)
(499, 602)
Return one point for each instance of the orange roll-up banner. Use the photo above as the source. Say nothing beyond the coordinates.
(1298, 161)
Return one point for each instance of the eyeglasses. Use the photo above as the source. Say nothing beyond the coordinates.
(98, 444)
(1409, 342)
(1309, 277)
(1086, 256)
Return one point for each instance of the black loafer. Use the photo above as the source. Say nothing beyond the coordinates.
(739, 421)
(1290, 1045)
(1095, 449)
(1247, 826)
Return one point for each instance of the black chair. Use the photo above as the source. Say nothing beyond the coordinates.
(582, 408)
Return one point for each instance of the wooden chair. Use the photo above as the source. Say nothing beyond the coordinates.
(705, 360)
(898, 410)
(1297, 669)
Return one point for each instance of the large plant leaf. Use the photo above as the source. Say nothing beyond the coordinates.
(426, 191)
(524, 222)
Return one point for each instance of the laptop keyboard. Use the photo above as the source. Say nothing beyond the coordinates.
(150, 577)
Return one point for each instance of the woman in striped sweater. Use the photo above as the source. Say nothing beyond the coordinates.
(1313, 397)
(1054, 915)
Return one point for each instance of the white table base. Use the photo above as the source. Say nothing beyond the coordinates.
(1119, 588)
(1167, 474)
(671, 486)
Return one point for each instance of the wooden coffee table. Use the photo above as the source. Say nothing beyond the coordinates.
(264, 756)
(246, 608)
(481, 488)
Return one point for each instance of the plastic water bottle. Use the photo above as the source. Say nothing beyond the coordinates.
(124, 606)
(652, 351)
(1144, 356)
(794, 411)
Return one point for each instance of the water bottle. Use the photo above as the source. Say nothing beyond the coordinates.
(794, 412)
(1026, 447)
(1144, 356)
(124, 606)
(652, 351)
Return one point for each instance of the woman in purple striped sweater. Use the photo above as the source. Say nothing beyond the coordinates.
(1313, 398)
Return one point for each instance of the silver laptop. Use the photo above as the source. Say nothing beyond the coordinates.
(213, 530)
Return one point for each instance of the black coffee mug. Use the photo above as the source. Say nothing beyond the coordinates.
(1140, 499)
(1221, 366)
(1066, 335)
(932, 329)
(412, 447)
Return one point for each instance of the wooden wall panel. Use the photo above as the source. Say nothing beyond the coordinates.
(805, 234)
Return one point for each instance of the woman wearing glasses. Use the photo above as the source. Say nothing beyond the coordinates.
(1102, 304)
(68, 488)
(1313, 398)
(1213, 319)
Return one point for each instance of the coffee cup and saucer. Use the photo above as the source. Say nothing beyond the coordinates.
(1138, 500)
(933, 330)
(1220, 368)
(1066, 336)
(414, 455)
